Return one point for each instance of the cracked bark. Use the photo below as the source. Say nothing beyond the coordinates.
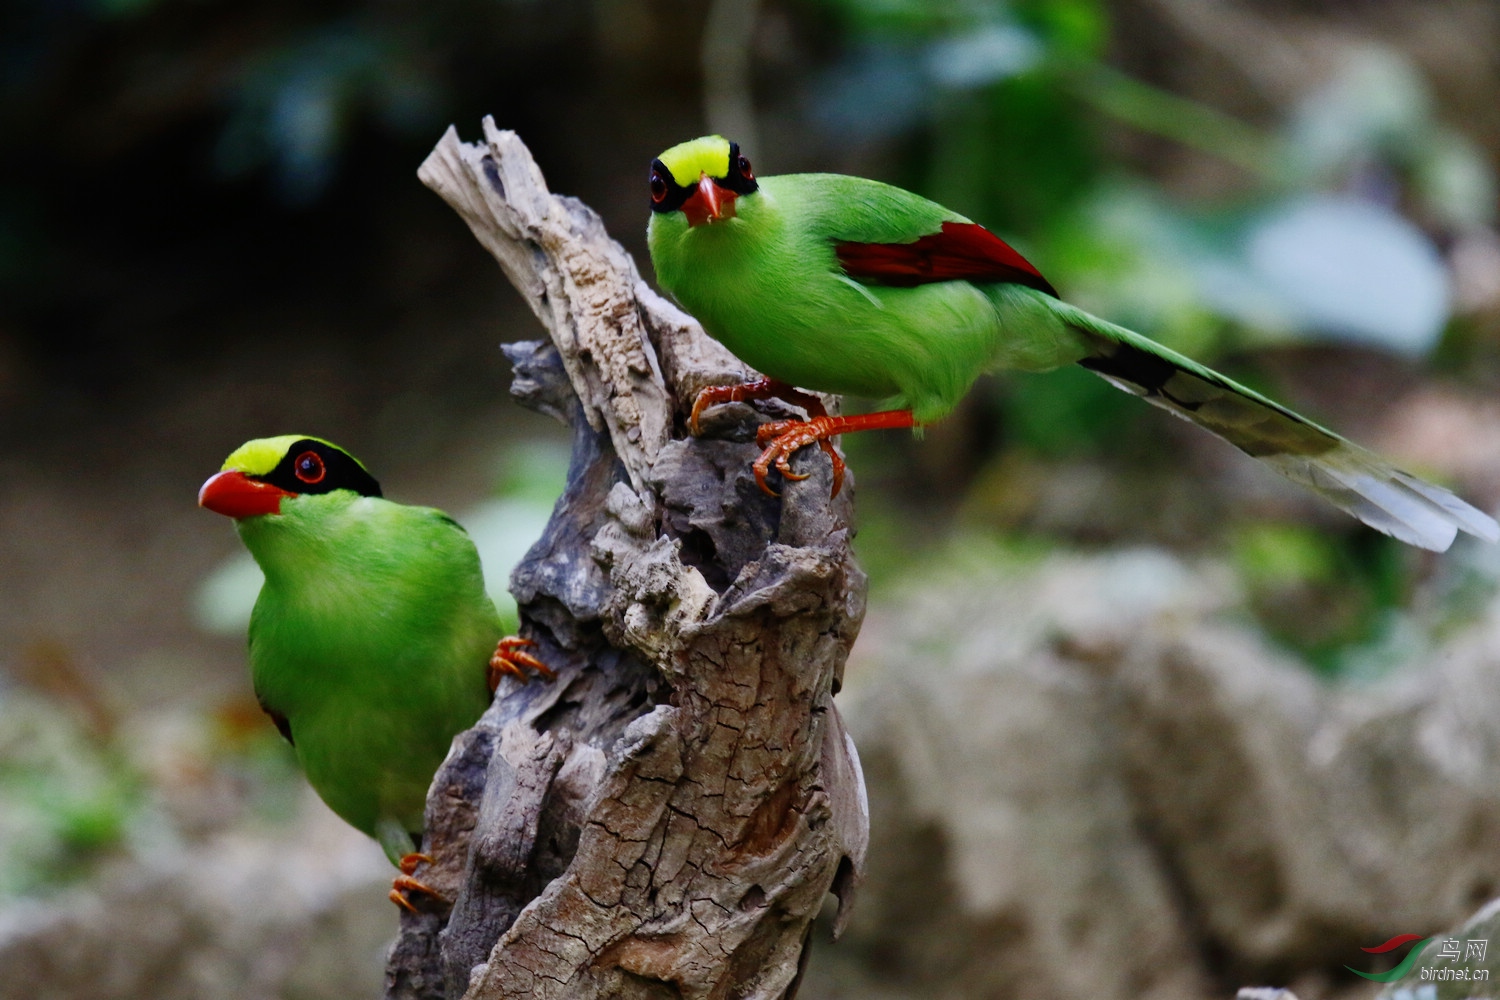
(666, 818)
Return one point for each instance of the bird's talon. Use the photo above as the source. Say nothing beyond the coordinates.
(782, 439)
(403, 884)
(516, 661)
(701, 402)
(716, 395)
(783, 466)
(408, 863)
(509, 659)
(762, 468)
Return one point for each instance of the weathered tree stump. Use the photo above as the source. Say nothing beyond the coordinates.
(666, 818)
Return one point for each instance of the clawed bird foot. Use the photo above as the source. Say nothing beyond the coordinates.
(761, 388)
(510, 658)
(404, 883)
(782, 439)
(770, 388)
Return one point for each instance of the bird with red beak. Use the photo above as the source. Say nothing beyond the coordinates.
(373, 641)
(845, 285)
(697, 182)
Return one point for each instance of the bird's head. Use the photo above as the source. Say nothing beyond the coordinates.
(702, 179)
(259, 474)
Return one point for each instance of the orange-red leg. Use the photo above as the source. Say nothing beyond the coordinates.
(510, 658)
(784, 438)
(404, 883)
(761, 388)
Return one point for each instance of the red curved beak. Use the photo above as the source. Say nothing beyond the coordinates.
(233, 494)
(710, 203)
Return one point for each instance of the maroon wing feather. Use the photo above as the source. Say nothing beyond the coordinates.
(962, 251)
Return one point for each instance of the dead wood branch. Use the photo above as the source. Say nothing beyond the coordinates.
(666, 818)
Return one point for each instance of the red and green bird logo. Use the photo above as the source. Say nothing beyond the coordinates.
(1406, 963)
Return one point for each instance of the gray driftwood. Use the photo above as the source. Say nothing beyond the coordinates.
(667, 817)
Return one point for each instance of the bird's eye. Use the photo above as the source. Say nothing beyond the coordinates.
(309, 467)
(744, 168)
(658, 187)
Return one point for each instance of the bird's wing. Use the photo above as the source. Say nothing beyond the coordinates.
(1350, 477)
(958, 251)
(889, 236)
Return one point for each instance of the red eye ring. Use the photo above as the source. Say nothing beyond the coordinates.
(309, 468)
(658, 187)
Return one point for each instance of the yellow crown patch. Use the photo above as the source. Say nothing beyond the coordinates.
(687, 161)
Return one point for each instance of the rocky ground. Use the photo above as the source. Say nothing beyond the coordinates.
(1089, 777)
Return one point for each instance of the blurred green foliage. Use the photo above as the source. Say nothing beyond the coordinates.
(65, 801)
(78, 790)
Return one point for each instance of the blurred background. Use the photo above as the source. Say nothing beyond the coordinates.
(211, 230)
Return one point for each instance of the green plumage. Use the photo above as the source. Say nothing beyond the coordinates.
(369, 644)
(768, 285)
(767, 281)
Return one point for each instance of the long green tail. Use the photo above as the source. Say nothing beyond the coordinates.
(1352, 478)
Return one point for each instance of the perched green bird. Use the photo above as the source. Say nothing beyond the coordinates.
(372, 642)
(845, 285)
